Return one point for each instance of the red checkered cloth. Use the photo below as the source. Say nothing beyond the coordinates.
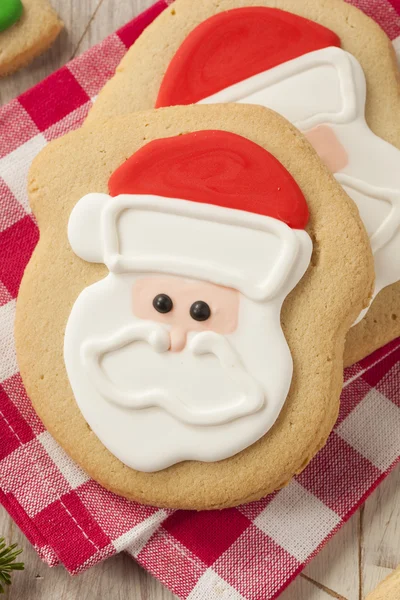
(251, 552)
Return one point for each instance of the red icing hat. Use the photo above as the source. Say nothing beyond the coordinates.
(234, 45)
(217, 168)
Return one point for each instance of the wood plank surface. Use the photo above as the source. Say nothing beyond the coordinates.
(361, 554)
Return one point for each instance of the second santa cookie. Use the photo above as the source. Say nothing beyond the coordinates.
(309, 62)
(180, 326)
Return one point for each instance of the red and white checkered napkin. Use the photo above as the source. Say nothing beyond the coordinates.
(251, 552)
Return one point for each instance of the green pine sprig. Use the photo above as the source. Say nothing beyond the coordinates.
(8, 554)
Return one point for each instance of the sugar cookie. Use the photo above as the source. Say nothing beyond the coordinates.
(149, 330)
(26, 30)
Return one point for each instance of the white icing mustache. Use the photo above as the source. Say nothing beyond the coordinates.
(250, 396)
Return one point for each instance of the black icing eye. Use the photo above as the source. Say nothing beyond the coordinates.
(200, 311)
(163, 303)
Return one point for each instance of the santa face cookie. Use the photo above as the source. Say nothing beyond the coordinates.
(178, 354)
(179, 329)
(27, 29)
(300, 68)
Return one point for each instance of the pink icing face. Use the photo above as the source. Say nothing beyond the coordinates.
(222, 302)
(328, 147)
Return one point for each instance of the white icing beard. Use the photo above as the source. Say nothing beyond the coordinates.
(208, 402)
(328, 87)
(134, 369)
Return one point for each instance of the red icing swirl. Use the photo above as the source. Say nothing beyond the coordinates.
(214, 167)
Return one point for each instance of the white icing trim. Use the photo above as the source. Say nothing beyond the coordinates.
(331, 57)
(269, 281)
(84, 227)
(391, 225)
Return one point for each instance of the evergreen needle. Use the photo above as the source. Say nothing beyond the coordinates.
(8, 554)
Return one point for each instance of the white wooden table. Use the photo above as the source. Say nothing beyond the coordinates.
(364, 551)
